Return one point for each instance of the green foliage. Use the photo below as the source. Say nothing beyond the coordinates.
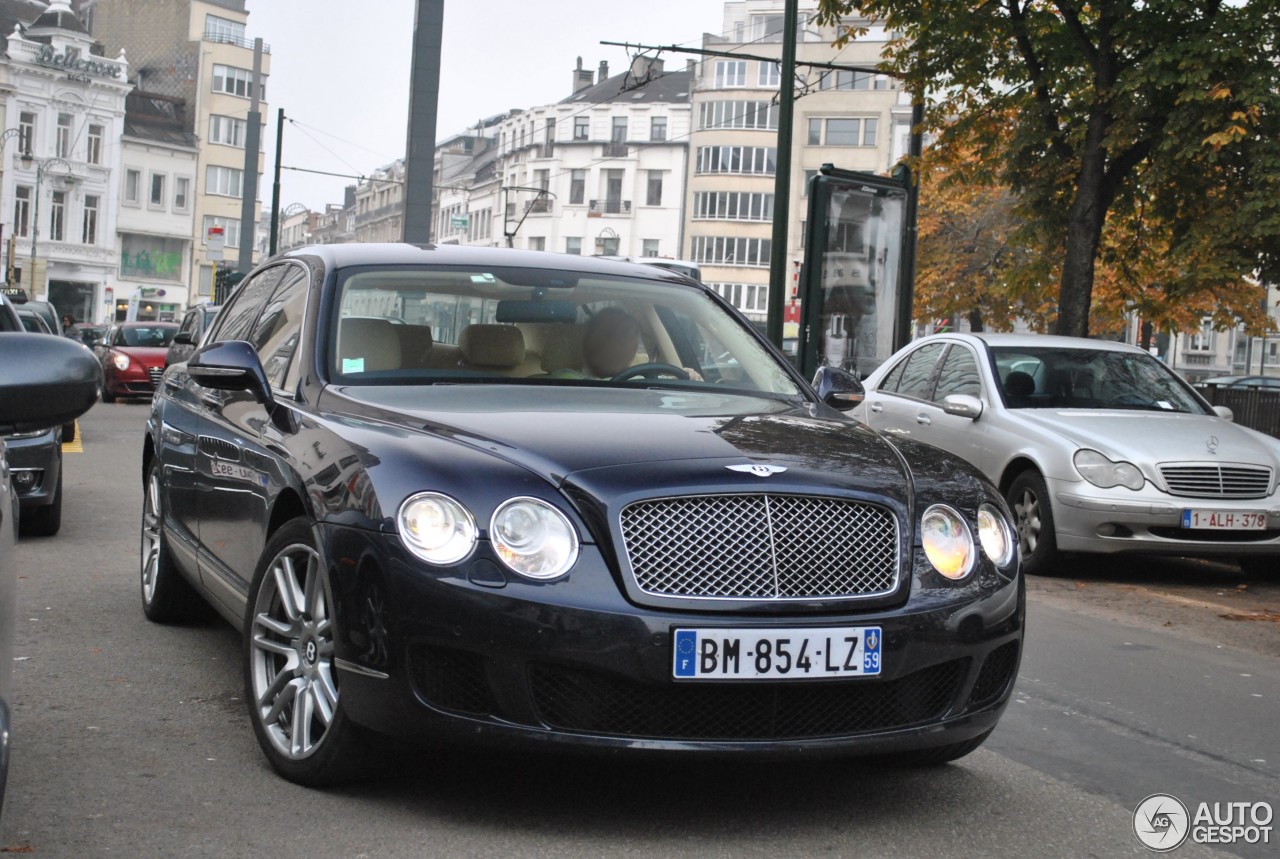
(1141, 139)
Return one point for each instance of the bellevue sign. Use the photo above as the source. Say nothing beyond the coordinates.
(71, 61)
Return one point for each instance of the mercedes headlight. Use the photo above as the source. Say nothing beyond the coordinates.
(533, 538)
(995, 535)
(1103, 473)
(436, 528)
(947, 541)
(121, 361)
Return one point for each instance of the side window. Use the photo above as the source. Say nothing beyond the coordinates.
(189, 323)
(894, 377)
(919, 370)
(280, 325)
(236, 320)
(959, 374)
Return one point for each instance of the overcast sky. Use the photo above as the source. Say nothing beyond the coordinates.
(340, 69)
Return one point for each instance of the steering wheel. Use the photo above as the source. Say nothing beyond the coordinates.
(654, 370)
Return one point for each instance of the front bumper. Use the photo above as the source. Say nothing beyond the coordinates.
(462, 654)
(136, 381)
(1089, 519)
(34, 466)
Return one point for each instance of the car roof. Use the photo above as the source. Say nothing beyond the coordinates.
(1034, 341)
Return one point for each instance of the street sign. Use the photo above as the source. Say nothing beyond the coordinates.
(215, 244)
(459, 222)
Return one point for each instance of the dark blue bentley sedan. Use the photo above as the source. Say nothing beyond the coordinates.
(456, 493)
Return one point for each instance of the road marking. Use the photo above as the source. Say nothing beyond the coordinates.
(76, 446)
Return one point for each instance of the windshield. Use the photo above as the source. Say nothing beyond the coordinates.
(147, 336)
(424, 325)
(1053, 378)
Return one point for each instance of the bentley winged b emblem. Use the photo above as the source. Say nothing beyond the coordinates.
(758, 469)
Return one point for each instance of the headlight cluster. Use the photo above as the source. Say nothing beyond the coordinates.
(949, 544)
(121, 361)
(531, 537)
(1104, 473)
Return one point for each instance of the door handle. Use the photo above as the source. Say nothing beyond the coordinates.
(876, 408)
(923, 420)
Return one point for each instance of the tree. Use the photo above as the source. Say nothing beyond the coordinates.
(1161, 113)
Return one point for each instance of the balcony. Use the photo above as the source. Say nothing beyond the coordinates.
(229, 39)
(615, 149)
(609, 206)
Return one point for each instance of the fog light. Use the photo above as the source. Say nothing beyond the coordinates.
(1106, 530)
(26, 479)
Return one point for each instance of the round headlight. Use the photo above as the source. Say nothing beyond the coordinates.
(947, 542)
(995, 535)
(121, 361)
(436, 528)
(533, 538)
(1104, 473)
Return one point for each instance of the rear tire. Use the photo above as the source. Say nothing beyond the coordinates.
(167, 597)
(46, 520)
(1028, 499)
(68, 432)
(107, 396)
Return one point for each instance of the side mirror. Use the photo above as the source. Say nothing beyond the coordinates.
(46, 381)
(962, 406)
(838, 388)
(1225, 413)
(183, 337)
(232, 365)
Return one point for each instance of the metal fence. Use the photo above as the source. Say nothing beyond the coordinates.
(1256, 408)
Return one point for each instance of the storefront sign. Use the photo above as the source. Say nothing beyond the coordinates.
(72, 62)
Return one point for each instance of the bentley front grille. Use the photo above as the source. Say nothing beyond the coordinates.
(761, 547)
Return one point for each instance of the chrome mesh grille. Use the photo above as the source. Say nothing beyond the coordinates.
(1210, 480)
(778, 547)
(155, 373)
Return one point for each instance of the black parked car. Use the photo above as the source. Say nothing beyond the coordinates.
(473, 493)
(195, 322)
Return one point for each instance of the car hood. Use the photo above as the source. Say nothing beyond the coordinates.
(1151, 437)
(591, 437)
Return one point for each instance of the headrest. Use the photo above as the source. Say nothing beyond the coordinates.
(562, 349)
(1019, 384)
(415, 344)
(367, 346)
(491, 345)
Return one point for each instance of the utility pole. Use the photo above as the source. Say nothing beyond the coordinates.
(253, 134)
(424, 97)
(782, 176)
(275, 186)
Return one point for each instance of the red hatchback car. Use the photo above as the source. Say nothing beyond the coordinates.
(132, 356)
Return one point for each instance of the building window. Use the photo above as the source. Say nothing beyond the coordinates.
(770, 75)
(731, 73)
(62, 143)
(230, 230)
(653, 194)
(815, 132)
(1202, 340)
(22, 210)
(537, 243)
(843, 131)
(573, 245)
(762, 115)
(577, 187)
(618, 134)
(89, 235)
(227, 130)
(26, 131)
(658, 128)
(93, 150)
(58, 216)
(731, 250)
(847, 80)
(581, 127)
(224, 30)
(649, 247)
(234, 81)
(132, 186)
(224, 181)
(156, 198)
(181, 193)
(737, 159)
(748, 297)
(732, 206)
(549, 134)
(607, 245)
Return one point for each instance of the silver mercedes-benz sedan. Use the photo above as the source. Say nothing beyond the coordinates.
(1097, 446)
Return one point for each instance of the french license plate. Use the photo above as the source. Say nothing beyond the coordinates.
(776, 654)
(1224, 520)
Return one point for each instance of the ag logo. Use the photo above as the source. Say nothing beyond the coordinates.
(1161, 822)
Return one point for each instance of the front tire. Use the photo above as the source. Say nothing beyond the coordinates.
(1028, 498)
(290, 680)
(167, 597)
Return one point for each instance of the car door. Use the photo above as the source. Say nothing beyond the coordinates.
(896, 405)
(968, 438)
(246, 440)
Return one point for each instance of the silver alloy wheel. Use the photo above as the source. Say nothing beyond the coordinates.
(291, 653)
(1027, 512)
(151, 537)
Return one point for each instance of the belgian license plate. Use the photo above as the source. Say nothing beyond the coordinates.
(1224, 520)
(776, 654)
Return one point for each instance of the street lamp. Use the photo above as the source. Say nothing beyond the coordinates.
(41, 168)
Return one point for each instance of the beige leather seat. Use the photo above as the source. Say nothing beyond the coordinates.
(562, 349)
(367, 346)
(492, 347)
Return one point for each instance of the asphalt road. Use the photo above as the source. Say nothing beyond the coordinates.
(1139, 677)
